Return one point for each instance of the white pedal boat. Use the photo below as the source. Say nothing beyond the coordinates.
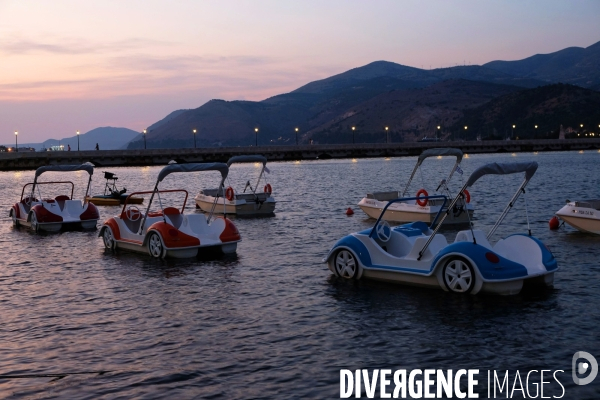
(582, 215)
(422, 208)
(415, 254)
(169, 231)
(60, 212)
(247, 204)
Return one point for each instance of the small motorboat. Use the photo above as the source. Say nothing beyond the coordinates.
(168, 231)
(422, 208)
(246, 203)
(112, 195)
(53, 214)
(416, 254)
(582, 215)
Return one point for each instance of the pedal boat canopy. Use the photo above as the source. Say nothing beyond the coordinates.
(195, 167)
(503, 169)
(250, 158)
(64, 168)
(449, 151)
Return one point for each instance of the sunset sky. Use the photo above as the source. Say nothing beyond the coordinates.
(77, 65)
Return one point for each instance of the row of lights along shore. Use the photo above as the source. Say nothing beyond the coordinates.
(387, 136)
(17, 141)
(194, 131)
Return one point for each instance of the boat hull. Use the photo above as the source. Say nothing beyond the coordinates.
(58, 226)
(584, 219)
(235, 207)
(190, 252)
(111, 201)
(403, 212)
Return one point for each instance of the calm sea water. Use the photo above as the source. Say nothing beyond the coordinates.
(272, 322)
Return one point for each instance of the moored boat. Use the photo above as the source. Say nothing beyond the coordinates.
(54, 213)
(422, 208)
(582, 215)
(112, 195)
(168, 231)
(416, 254)
(251, 203)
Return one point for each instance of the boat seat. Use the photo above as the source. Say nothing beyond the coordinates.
(27, 206)
(173, 216)
(133, 226)
(467, 236)
(61, 201)
(73, 207)
(197, 223)
(437, 244)
(398, 245)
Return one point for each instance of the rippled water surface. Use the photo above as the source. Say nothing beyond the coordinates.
(272, 322)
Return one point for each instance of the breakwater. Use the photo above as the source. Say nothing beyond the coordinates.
(111, 158)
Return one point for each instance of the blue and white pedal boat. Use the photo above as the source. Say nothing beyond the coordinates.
(416, 254)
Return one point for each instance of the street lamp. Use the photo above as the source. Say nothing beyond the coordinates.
(512, 136)
(296, 136)
(144, 139)
(194, 138)
(354, 129)
(16, 142)
(535, 132)
(438, 132)
(77, 140)
(387, 136)
(466, 131)
(256, 137)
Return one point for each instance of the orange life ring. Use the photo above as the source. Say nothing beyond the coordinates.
(467, 195)
(268, 188)
(422, 202)
(229, 193)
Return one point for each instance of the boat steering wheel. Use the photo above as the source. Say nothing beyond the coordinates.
(133, 213)
(384, 231)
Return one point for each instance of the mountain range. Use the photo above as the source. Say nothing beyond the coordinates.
(411, 102)
(107, 138)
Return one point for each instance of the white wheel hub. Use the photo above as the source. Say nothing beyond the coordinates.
(34, 222)
(345, 264)
(458, 276)
(155, 246)
(109, 239)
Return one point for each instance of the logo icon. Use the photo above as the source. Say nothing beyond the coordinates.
(583, 366)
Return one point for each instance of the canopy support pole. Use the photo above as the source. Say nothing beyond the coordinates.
(87, 190)
(258, 181)
(526, 213)
(439, 225)
(147, 209)
(411, 178)
(508, 207)
(212, 209)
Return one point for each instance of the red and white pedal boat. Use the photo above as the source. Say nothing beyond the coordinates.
(169, 231)
(53, 214)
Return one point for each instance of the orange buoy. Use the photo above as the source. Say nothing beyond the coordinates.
(349, 211)
(420, 201)
(554, 223)
(229, 194)
(467, 195)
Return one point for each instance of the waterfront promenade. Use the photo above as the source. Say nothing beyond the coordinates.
(111, 158)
